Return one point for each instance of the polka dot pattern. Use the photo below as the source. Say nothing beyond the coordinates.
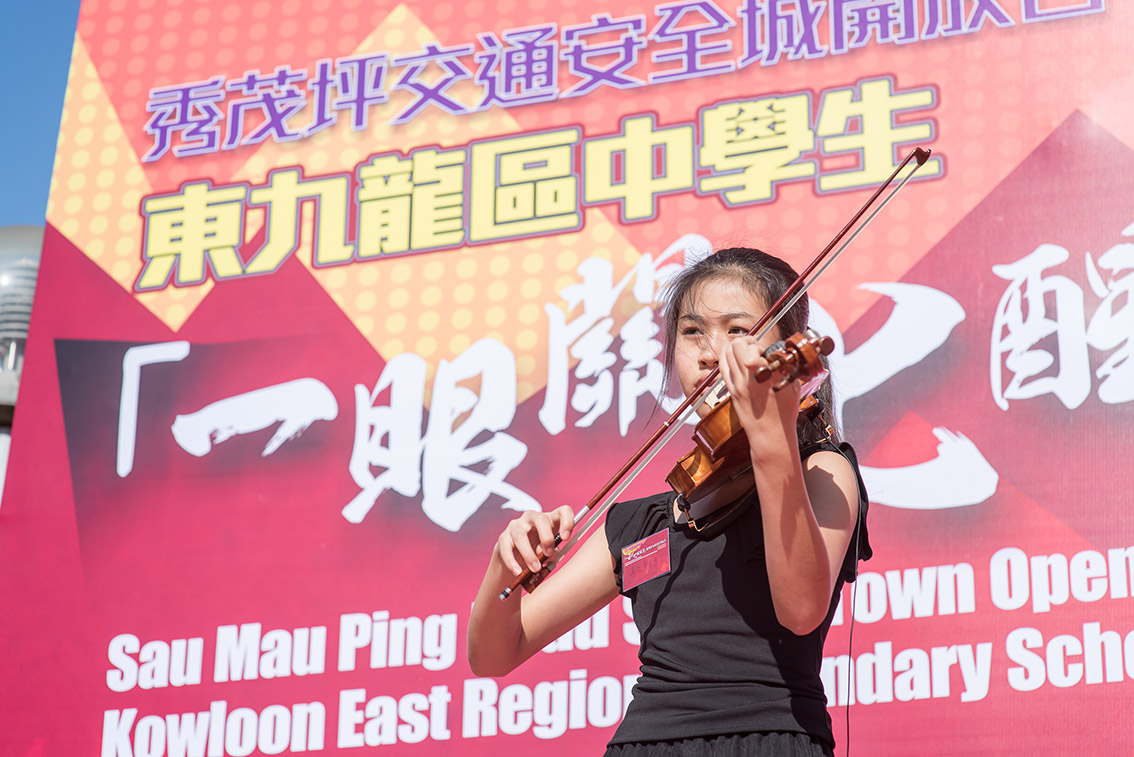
(443, 301)
(97, 189)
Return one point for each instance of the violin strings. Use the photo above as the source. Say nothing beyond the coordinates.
(831, 258)
(595, 513)
(592, 514)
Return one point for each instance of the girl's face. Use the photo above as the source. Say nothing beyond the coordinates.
(715, 312)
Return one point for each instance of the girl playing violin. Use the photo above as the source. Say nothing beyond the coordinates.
(732, 636)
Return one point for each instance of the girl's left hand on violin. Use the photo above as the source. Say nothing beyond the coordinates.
(768, 416)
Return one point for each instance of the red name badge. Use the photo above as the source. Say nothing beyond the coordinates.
(645, 559)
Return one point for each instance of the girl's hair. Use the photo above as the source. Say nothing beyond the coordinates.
(767, 277)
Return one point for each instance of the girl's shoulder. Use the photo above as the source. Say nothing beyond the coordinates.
(630, 521)
(860, 548)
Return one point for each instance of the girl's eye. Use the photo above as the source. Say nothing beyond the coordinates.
(690, 331)
(737, 331)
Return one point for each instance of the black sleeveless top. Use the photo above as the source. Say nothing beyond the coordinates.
(714, 658)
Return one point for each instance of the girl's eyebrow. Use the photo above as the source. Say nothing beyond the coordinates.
(724, 316)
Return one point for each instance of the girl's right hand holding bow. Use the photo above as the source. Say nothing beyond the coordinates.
(504, 634)
(532, 536)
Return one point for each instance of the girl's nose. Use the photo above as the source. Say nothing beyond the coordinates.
(710, 354)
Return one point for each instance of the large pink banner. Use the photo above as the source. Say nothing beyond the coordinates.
(331, 291)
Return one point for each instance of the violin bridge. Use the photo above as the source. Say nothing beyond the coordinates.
(716, 395)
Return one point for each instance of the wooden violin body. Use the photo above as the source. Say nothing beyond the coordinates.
(717, 471)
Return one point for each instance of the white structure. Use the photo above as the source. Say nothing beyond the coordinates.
(19, 263)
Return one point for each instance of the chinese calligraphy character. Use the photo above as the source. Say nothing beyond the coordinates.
(521, 74)
(641, 179)
(389, 436)
(294, 405)
(411, 203)
(425, 93)
(523, 185)
(921, 321)
(184, 230)
(693, 47)
(398, 425)
(1112, 325)
(586, 338)
(274, 96)
(752, 145)
(785, 26)
(875, 107)
(187, 108)
(853, 22)
(450, 457)
(1033, 310)
(603, 64)
(361, 83)
(282, 196)
(957, 21)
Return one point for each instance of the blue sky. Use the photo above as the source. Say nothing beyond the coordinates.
(35, 50)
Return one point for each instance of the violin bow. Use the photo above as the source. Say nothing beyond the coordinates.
(596, 508)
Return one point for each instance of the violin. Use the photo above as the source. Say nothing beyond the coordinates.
(596, 508)
(716, 472)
